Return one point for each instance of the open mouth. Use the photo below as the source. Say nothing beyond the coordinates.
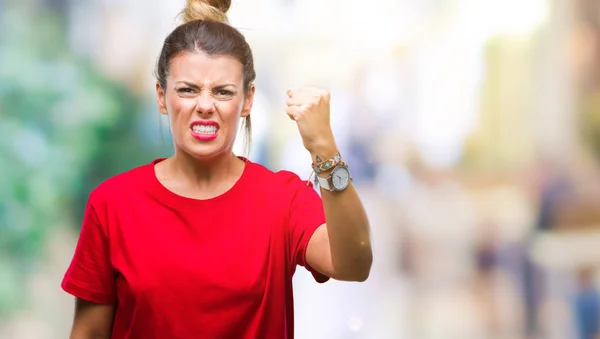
(204, 130)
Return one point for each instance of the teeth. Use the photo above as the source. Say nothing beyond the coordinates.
(202, 129)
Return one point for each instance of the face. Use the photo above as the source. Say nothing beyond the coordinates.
(204, 99)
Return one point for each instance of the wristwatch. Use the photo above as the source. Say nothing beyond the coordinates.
(338, 179)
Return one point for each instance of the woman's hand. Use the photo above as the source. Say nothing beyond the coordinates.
(309, 107)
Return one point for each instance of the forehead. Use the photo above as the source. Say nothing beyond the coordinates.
(201, 68)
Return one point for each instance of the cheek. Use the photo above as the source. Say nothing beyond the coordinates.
(179, 108)
(235, 107)
(175, 103)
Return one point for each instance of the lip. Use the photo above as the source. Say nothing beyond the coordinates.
(204, 137)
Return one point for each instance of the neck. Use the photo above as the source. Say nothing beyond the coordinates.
(207, 173)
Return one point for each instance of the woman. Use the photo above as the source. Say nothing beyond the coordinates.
(204, 244)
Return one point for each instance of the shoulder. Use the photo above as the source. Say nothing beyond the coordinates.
(282, 179)
(281, 182)
(122, 185)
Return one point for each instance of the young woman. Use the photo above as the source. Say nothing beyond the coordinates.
(204, 244)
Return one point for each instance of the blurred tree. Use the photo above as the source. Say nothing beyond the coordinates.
(64, 127)
(586, 50)
(502, 140)
(590, 121)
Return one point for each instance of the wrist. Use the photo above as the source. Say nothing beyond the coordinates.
(322, 151)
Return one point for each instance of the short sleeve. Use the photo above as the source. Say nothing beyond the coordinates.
(306, 215)
(90, 275)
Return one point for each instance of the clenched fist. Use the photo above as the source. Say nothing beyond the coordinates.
(309, 107)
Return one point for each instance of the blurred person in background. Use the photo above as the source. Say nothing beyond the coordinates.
(204, 243)
(586, 305)
(553, 188)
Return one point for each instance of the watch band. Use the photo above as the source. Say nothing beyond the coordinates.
(324, 183)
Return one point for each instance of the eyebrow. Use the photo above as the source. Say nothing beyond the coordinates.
(194, 86)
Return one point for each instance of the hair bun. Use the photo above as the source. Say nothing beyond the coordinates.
(215, 10)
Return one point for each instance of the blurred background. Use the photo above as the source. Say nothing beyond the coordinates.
(472, 128)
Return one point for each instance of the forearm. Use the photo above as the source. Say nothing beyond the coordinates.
(347, 226)
(89, 335)
(92, 320)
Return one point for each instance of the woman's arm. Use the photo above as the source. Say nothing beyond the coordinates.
(92, 321)
(341, 248)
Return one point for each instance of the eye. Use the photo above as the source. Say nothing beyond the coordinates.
(185, 90)
(224, 92)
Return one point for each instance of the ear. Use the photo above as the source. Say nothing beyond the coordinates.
(160, 98)
(248, 101)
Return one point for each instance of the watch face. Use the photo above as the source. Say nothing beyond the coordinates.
(340, 177)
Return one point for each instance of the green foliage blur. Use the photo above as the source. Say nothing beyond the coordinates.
(64, 128)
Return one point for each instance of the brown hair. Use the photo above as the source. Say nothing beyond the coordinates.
(205, 29)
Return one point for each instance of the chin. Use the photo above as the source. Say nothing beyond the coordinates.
(206, 151)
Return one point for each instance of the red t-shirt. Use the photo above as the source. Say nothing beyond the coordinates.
(181, 268)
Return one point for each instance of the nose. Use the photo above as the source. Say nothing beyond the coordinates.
(205, 104)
